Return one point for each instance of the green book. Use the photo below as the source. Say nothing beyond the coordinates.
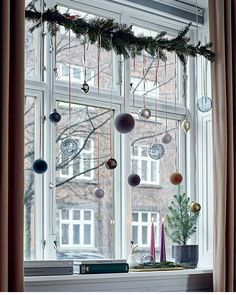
(101, 268)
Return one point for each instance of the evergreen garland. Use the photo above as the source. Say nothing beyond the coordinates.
(119, 37)
(181, 221)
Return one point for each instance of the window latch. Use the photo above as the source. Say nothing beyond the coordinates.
(55, 244)
(44, 242)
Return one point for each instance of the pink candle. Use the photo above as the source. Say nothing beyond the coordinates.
(163, 247)
(152, 244)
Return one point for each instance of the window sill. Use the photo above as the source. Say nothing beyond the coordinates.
(181, 280)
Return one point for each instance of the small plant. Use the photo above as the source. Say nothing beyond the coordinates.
(181, 220)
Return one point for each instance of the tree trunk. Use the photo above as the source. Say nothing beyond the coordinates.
(28, 207)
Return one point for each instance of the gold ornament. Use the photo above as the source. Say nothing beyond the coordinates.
(176, 178)
(195, 207)
(185, 125)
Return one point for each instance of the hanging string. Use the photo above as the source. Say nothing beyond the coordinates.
(134, 68)
(165, 100)
(84, 58)
(112, 81)
(144, 81)
(55, 55)
(98, 137)
(41, 43)
(69, 66)
(205, 78)
(176, 122)
(185, 77)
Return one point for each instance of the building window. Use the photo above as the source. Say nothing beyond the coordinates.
(142, 164)
(76, 228)
(141, 227)
(80, 167)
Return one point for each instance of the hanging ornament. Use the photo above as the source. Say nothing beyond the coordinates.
(124, 123)
(134, 179)
(166, 138)
(144, 113)
(195, 207)
(55, 117)
(176, 178)
(204, 104)
(85, 87)
(99, 193)
(111, 163)
(69, 146)
(185, 125)
(40, 166)
(156, 151)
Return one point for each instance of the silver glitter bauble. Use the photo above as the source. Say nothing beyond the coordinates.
(134, 179)
(144, 113)
(99, 193)
(156, 151)
(85, 87)
(185, 125)
(166, 138)
(69, 146)
(124, 123)
(204, 104)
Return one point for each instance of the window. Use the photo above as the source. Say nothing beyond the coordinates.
(142, 163)
(62, 206)
(76, 228)
(141, 228)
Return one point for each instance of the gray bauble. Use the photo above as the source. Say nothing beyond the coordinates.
(134, 179)
(99, 193)
(144, 113)
(166, 138)
(124, 123)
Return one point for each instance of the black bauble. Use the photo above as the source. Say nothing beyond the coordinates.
(40, 166)
(134, 179)
(124, 123)
(55, 117)
(85, 87)
(111, 163)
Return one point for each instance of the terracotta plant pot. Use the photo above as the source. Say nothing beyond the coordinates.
(186, 255)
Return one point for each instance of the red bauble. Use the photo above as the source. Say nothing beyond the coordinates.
(176, 178)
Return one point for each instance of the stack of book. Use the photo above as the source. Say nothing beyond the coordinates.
(48, 267)
(100, 266)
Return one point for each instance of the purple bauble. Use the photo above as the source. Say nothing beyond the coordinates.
(166, 138)
(40, 166)
(134, 179)
(124, 123)
(99, 193)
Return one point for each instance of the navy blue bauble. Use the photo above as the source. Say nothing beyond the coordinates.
(124, 123)
(40, 166)
(134, 179)
(55, 117)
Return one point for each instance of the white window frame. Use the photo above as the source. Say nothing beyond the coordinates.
(139, 158)
(148, 224)
(80, 222)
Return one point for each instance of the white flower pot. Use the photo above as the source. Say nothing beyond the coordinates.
(132, 261)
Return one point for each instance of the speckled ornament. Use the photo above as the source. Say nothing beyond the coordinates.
(40, 166)
(134, 179)
(166, 138)
(69, 146)
(124, 123)
(144, 113)
(111, 163)
(156, 151)
(195, 207)
(85, 87)
(176, 178)
(99, 193)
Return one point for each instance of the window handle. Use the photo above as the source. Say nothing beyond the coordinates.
(55, 244)
(44, 242)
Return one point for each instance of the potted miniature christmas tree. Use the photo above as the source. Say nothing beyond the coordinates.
(182, 220)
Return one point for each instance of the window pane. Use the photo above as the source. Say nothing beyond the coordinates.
(76, 233)
(135, 151)
(144, 217)
(146, 66)
(77, 57)
(77, 191)
(76, 214)
(144, 152)
(135, 234)
(29, 187)
(157, 172)
(87, 234)
(154, 217)
(65, 234)
(64, 214)
(135, 166)
(134, 216)
(87, 215)
(144, 234)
